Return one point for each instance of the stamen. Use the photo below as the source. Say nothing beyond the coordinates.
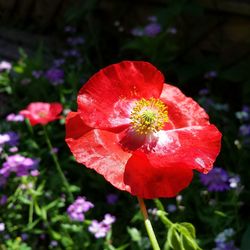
(149, 116)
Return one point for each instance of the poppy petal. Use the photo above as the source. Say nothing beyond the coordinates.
(196, 147)
(105, 101)
(100, 151)
(148, 181)
(182, 111)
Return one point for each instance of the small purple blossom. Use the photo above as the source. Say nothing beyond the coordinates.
(244, 130)
(74, 41)
(18, 164)
(2, 226)
(71, 53)
(69, 29)
(3, 200)
(216, 180)
(14, 118)
(109, 219)
(137, 32)
(100, 229)
(211, 74)
(4, 65)
(203, 91)
(171, 208)
(223, 240)
(13, 149)
(152, 29)
(77, 209)
(37, 74)
(234, 181)
(112, 198)
(10, 138)
(34, 172)
(24, 236)
(58, 62)
(172, 30)
(4, 138)
(55, 76)
(53, 243)
(152, 19)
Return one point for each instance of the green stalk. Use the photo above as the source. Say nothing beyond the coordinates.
(58, 166)
(148, 225)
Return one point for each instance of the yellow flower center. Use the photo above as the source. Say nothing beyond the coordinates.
(149, 116)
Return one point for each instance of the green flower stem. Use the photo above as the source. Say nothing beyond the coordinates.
(162, 213)
(58, 166)
(148, 225)
(31, 211)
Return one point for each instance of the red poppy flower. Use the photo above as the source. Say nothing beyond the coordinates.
(42, 112)
(142, 135)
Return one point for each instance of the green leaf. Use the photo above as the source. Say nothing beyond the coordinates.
(190, 228)
(55, 235)
(135, 234)
(189, 243)
(174, 239)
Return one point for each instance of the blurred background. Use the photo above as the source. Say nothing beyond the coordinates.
(195, 38)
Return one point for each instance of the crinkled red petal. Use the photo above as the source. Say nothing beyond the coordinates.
(196, 147)
(148, 181)
(75, 127)
(105, 100)
(182, 111)
(98, 150)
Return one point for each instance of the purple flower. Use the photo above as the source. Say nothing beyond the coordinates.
(223, 241)
(172, 30)
(71, 53)
(108, 219)
(100, 229)
(152, 29)
(53, 243)
(11, 138)
(211, 74)
(234, 181)
(4, 138)
(74, 41)
(112, 198)
(216, 180)
(77, 209)
(244, 130)
(34, 172)
(203, 91)
(58, 62)
(55, 76)
(14, 118)
(3, 199)
(13, 149)
(171, 208)
(2, 226)
(69, 29)
(4, 65)
(137, 32)
(152, 19)
(18, 164)
(37, 73)
(24, 236)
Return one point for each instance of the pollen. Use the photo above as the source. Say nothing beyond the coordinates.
(149, 116)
